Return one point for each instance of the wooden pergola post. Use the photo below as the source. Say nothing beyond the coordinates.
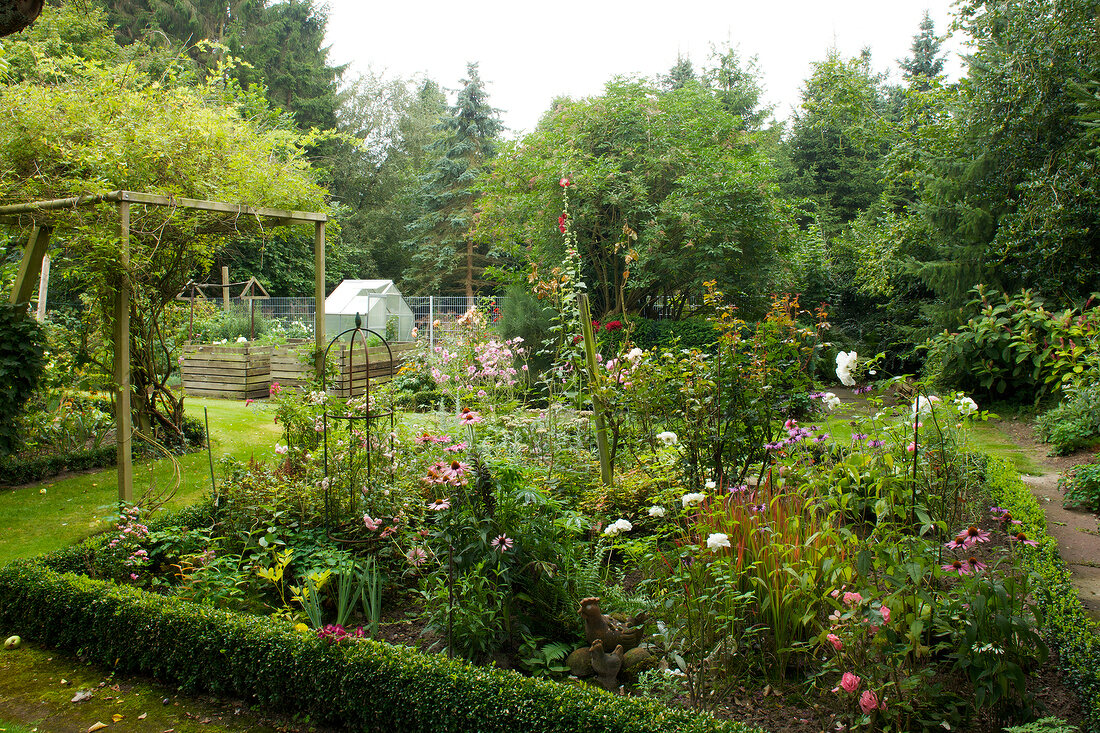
(319, 298)
(31, 264)
(123, 418)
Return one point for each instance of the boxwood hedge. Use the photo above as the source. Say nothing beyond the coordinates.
(1067, 628)
(362, 684)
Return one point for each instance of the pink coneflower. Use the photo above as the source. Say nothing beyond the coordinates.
(439, 505)
(959, 543)
(956, 566)
(456, 447)
(997, 512)
(975, 565)
(503, 543)
(1021, 538)
(425, 438)
(974, 535)
(470, 418)
(416, 556)
(455, 472)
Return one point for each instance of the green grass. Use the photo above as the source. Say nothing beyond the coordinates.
(988, 438)
(58, 512)
(14, 728)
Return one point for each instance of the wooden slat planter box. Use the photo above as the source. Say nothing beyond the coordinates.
(233, 372)
(288, 369)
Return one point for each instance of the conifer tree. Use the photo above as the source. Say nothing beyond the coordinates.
(445, 255)
(925, 64)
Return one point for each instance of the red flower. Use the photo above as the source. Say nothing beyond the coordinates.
(564, 183)
(561, 221)
(613, 325)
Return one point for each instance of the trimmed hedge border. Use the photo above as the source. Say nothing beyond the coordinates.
(364, 685)
(15, 472)
(1067, 628)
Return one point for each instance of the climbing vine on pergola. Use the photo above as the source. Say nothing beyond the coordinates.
(44, 216)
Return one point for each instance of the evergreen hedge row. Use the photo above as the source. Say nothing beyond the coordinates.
(15, 471)
(1066, 626)
(363, 685)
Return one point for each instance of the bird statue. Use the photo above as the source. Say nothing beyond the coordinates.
(606, 666)
(610, 631)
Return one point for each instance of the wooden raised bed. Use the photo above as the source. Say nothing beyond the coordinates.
(288, 369)
(233, 372)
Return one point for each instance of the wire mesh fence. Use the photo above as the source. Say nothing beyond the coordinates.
(432, 315)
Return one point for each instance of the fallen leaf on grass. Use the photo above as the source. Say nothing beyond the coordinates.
(98, 726)
(82, 696)
(142, 716)
(117, 717)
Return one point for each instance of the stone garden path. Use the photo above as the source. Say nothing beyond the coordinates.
(1075, 530)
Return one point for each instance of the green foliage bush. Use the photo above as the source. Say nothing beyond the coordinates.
(1067, 628)
(21, 361)
(1081, 485)
(1071, 425)
(694, 332)
(14, 471)
(1015, 346)
(363, 684)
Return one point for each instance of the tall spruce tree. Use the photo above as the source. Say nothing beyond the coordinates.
(925, 64)
(445, 255)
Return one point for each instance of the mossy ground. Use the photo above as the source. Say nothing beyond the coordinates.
(37, 687)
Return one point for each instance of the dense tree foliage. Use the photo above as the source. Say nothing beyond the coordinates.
(100, 127)
(446, 253)
(667, 190)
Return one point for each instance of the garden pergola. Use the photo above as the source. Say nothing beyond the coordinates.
(41, 215)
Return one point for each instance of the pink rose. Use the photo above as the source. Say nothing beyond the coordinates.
(868, 701)
(849, 682)
(885, 611)
(835, 641)
(852, 599)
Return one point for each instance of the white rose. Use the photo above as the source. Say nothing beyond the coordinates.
(692, 499)
(845, 363)
(656, 511)
(717, 540)
(667, 438)
(831, 401)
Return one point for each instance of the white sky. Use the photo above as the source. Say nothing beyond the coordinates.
(530, 53)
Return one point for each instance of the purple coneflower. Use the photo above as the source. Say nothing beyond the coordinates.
(503, 543)
(439, 505)
(1022, 539)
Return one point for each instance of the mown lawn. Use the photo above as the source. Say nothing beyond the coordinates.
(59, 511)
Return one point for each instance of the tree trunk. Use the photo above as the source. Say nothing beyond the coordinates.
(15, 15)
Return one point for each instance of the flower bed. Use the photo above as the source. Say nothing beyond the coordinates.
(233, 371)
(359, 684)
